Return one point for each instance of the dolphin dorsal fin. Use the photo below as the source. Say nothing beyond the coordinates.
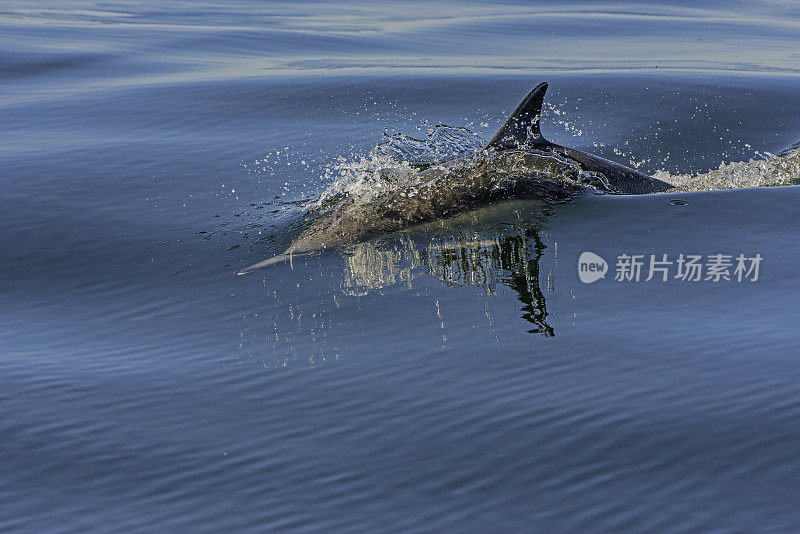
(522, 127)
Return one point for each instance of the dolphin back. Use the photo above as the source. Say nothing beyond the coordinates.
(522, 131)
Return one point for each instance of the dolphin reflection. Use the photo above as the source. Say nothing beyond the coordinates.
(509, 256)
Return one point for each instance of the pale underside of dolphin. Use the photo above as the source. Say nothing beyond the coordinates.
(517, 163)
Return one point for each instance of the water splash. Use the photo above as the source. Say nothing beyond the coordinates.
(442, 143)
(396, 162)
(765, 170)
(364, 178)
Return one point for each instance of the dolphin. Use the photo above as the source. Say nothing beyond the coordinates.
(518, 162)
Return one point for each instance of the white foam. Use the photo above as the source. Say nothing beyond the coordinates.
(767, 170)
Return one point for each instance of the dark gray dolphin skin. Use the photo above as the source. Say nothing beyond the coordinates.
(522, 130)
(517, 163)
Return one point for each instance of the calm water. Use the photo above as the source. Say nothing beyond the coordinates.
(458, 377)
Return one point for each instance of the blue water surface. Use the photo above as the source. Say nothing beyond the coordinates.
(457, 377)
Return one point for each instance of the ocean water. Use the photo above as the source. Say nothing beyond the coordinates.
(456, 377)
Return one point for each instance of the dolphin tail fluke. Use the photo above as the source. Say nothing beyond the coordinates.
(522, 127)
(280, 258)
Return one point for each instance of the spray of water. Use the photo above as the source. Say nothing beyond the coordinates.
(764, 170)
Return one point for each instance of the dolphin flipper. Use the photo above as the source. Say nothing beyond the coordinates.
(522, 127)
